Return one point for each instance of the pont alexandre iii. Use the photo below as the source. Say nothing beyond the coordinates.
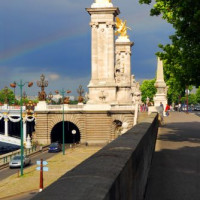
(114, 94)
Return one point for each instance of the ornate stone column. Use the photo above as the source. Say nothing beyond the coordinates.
(6, 126)
(102, 24)
(123, 69)
(24, 129)
(94, 72)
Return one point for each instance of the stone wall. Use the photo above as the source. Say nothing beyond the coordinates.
(118, 171)
(95, 127)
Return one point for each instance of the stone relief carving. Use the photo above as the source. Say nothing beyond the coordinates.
(102, 95)
(119, 71)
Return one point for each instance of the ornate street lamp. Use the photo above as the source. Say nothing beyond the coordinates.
(80, 91)
(62, 92)
(42, 83)
(21, 84)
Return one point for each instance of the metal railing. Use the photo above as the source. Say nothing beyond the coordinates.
(6, 158)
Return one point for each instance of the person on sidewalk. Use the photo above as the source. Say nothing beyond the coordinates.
(179, 107)
(161, 109)
(167, 108)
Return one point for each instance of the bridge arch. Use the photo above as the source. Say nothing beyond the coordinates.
(57, 132)
(73, 120)
(117, 124)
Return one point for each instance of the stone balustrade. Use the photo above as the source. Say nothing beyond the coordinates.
(118, 171)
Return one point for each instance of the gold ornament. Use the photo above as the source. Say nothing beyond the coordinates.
(121, 27)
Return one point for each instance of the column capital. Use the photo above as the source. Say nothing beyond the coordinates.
(110, 24)
(94, 24)
(5, 119)
(127, 52)
(118, 52)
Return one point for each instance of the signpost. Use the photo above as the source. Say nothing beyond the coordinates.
(41, 168)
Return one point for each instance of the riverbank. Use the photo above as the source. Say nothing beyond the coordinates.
(58, 165)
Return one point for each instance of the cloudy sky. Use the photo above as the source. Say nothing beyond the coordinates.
(53, 37)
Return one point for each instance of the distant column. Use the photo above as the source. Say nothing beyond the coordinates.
(161, 94)
(6, 126)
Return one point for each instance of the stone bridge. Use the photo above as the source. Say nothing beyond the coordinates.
(98, 124)
(118, 171)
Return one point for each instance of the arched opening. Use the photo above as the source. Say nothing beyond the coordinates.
(14, 128)
(118, 128)
(30, 128)
(2, 126)
(57, 133)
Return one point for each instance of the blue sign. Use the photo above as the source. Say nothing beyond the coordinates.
(45, 169)
(38, 162)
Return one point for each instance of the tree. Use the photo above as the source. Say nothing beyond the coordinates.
(198, 95)
(148, 89)
(182, 56)
(192, 99)
(7, 95)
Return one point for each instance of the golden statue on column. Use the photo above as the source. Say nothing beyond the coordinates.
(121, 27)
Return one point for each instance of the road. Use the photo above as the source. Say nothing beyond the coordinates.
(25, 196)
(8, 172)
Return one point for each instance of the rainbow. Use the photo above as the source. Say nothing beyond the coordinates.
(38, 44)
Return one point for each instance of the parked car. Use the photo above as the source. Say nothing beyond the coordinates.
(16, 161)
(55, 147)
(196, 108)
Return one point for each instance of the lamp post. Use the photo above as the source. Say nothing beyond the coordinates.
(73, 133)
(21, 84)
(62, 92)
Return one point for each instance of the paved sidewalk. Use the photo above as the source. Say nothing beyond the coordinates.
(23, 188)
(175, 172)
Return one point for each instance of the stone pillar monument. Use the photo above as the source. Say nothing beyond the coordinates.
(161, 94)
(103, 51)
(123, 69)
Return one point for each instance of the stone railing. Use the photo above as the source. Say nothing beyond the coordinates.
(118, 171)
(33, 151)
(6, 158)
(54, 107)
(12, 108)
(10, 140)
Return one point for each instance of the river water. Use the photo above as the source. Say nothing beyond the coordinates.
(6, 148)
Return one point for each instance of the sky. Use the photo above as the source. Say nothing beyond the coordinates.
(53, 37)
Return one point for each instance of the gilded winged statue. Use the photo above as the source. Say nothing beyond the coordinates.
(121, 27)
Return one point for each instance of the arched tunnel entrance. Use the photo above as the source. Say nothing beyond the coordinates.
(118, 127)
(57, 133)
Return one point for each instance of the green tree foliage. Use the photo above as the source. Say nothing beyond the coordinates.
(192, 99)
(148, 89)
(9, 95)
(182, 56)
(198, 95)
